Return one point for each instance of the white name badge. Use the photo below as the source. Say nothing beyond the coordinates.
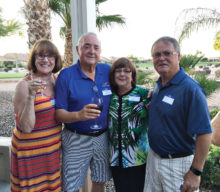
(134, 98)
(106, 92)
(168, 99)
(52, 100)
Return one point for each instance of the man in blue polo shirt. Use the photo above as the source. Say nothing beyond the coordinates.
(179, 124)
(82, 145)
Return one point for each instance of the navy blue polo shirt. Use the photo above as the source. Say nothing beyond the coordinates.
(74, 90)
(178, 112)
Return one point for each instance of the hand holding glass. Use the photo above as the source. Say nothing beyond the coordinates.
(99, 103)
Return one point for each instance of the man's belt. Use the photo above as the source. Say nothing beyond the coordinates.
(93, 134)
(172, 156)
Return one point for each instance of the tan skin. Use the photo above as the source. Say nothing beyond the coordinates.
(216, 130)
(123, 81)
(89, 51)
(26, 90)
(167, 67)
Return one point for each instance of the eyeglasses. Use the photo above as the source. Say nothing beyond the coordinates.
(157, 55)
(127, 71)
(95, 90)
(42, 57)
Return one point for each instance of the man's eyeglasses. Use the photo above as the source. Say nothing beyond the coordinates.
(127, 71)
(95, 90)
(157, 55)
(42, 57)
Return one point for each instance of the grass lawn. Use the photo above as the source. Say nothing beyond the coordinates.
(11, 75)
(150, 64)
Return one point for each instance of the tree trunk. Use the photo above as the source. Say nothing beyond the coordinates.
(68, 52)
(38, 18)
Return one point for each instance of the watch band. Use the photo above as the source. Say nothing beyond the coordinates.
(195, 171)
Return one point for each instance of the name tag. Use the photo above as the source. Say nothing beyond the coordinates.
(135, 98)
(168, 99)
(52, 100)
(106, 92)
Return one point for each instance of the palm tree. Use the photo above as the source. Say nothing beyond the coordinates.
(197, 18)
(103, 21)
(9, 27)
(37, 14)
(62, 8)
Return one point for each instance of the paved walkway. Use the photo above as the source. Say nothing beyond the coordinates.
(4, 187)
(214, 100)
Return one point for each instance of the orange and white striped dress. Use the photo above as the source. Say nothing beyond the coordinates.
(35, 156)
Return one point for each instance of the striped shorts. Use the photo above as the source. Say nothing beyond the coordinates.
(80, 152)
(165, 174)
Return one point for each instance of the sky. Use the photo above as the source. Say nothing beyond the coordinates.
(146, 21)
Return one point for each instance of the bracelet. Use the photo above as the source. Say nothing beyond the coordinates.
(195, 171)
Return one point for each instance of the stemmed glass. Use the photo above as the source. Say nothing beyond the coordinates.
(98, 101)
(43, 83)
(43, 86)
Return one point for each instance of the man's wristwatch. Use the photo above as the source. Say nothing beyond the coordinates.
(195, 171)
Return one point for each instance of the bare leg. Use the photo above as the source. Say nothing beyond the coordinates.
(98, 187)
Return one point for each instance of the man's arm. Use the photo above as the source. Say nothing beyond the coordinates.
(86, 113)
(192, 181)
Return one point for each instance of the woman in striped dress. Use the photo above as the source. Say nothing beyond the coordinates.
(36, 139)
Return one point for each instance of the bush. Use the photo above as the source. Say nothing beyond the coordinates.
(209, 85)
(213, 113)
(211, 171)
(189, 61)
(143, 78)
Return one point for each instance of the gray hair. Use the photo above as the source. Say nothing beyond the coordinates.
(85, 34)
(168, 39)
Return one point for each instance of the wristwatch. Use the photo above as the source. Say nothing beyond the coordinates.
(195, 171)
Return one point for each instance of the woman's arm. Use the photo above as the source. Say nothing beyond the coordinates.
(216, 130)
(24, 106)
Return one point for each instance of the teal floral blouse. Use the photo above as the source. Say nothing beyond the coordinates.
(128, 127)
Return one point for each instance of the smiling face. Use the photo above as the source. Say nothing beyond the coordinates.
(89, 50)
(44, 63)
(165, 59)
(123, 78)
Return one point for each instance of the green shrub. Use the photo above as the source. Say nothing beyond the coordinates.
(209, 85)
(189, 61)
(213, 113)
(211, 171)
(143, 78)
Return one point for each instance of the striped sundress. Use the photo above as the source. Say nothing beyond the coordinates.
(35, 156)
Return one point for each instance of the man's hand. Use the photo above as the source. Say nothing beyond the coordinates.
(89, 111)
(191, 182)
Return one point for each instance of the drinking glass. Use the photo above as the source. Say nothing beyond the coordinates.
(98, 101)
(43, 86)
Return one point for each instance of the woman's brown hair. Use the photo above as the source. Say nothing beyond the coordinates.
(122, 62)
(41, 47)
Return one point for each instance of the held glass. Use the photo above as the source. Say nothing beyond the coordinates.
(98, 101)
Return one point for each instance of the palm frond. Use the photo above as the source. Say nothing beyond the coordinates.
(97, 2)
(62, 8)
(196, 24)
(108, 20)
(194, 19)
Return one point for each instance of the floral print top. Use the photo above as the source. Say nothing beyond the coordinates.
(128, 127)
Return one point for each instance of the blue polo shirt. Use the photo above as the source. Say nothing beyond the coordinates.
(178, 112)
(74, 90)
